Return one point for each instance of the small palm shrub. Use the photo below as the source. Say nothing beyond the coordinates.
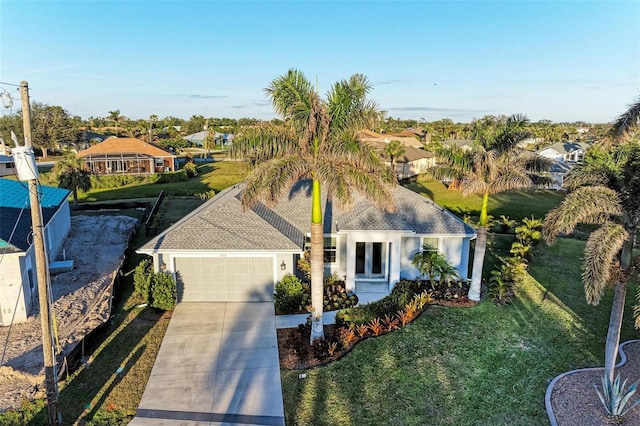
(615, 398)
(500, 289)
(291, 295)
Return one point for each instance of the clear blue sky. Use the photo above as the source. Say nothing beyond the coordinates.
(557, 60)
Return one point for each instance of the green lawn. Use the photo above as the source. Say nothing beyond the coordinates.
(487, 365)
(515, 204)
(483, 365)
(212, 176)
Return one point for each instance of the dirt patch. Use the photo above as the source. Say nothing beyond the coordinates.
(81, 303)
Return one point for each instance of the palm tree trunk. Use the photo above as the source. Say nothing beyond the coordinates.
(317, 265)
(75, 195)
(617, 312)
(615, 324)
(478, 254)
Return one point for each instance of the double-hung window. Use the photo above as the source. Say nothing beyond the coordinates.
(429, 245)
(330, 254)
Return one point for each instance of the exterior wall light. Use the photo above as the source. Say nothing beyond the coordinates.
(283, 266)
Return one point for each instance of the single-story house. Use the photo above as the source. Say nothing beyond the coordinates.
(557, 172)
(371, 136)
(410, 163)
(18, 278)
(221, 253)
(7, 166)
(198, 138)
(128, 156)
(572, 152)
(463, 144)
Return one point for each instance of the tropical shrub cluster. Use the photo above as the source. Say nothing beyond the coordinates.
(512, 269)
(293, 295)
(159, 290)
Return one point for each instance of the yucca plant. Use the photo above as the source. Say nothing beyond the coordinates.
(615, 398)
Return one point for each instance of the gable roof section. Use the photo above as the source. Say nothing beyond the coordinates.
(15, 213)
(566, 147)
(221, 225)
(125, 146)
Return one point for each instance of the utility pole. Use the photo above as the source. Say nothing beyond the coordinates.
(50, 373)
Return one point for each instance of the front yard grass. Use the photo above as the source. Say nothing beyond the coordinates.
(487, 365)
(514, 204)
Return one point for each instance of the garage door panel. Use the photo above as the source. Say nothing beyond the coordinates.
(232, 279)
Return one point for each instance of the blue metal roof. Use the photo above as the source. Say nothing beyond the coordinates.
(15, 194)
(15, 211)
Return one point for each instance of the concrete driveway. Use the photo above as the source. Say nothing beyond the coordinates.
(218, 364)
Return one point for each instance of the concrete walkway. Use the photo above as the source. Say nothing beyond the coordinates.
(218, 364)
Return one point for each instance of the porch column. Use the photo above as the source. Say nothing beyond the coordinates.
(395, 251)
(351, 264)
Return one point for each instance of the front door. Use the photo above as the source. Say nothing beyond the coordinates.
(370, 260)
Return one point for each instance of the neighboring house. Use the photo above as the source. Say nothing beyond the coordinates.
(572, 152)
(18, 279)
(370, 136)
(221, 253)
(411, 163)
(464, 144)
(558, 172)
(7, 167)
(128, 156)
(223, 139)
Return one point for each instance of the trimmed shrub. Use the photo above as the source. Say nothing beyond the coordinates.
(191, 169)
(292, 295)
(164, 291)
(142, 278)
(179, 176)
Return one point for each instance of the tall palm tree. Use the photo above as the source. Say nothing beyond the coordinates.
(614, 179)
(316, 141)
(116, 118)
(72, 173)
(604, 192)
(393, 150)
(491, 167)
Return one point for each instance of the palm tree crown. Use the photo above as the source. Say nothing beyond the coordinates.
(317, 141)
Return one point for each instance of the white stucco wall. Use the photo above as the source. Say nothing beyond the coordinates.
(57, 231)
(410, 246)
(16, 295)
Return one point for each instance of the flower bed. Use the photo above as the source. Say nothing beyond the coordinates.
(405, 303)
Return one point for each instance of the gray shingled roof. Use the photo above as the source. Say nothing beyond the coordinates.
(221, 225)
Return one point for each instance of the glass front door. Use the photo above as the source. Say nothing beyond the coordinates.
(370, 260)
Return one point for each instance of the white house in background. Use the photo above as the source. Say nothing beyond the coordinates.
(7, 166)
(572, 152)
(463, 144)
(557, 173)
(18, 280)
(221, 253)
(411, 162)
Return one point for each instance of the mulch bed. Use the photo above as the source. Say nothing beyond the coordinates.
(576, 403)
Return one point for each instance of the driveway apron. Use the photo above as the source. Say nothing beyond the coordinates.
(218, 364)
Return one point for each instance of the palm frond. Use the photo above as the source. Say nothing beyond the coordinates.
(265, 142)
(588, 204)
(588, 175)
(600, 253)
(272, 179)
(626, 123)
(289, 93)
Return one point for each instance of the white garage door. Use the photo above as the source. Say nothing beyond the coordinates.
(225, 279)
